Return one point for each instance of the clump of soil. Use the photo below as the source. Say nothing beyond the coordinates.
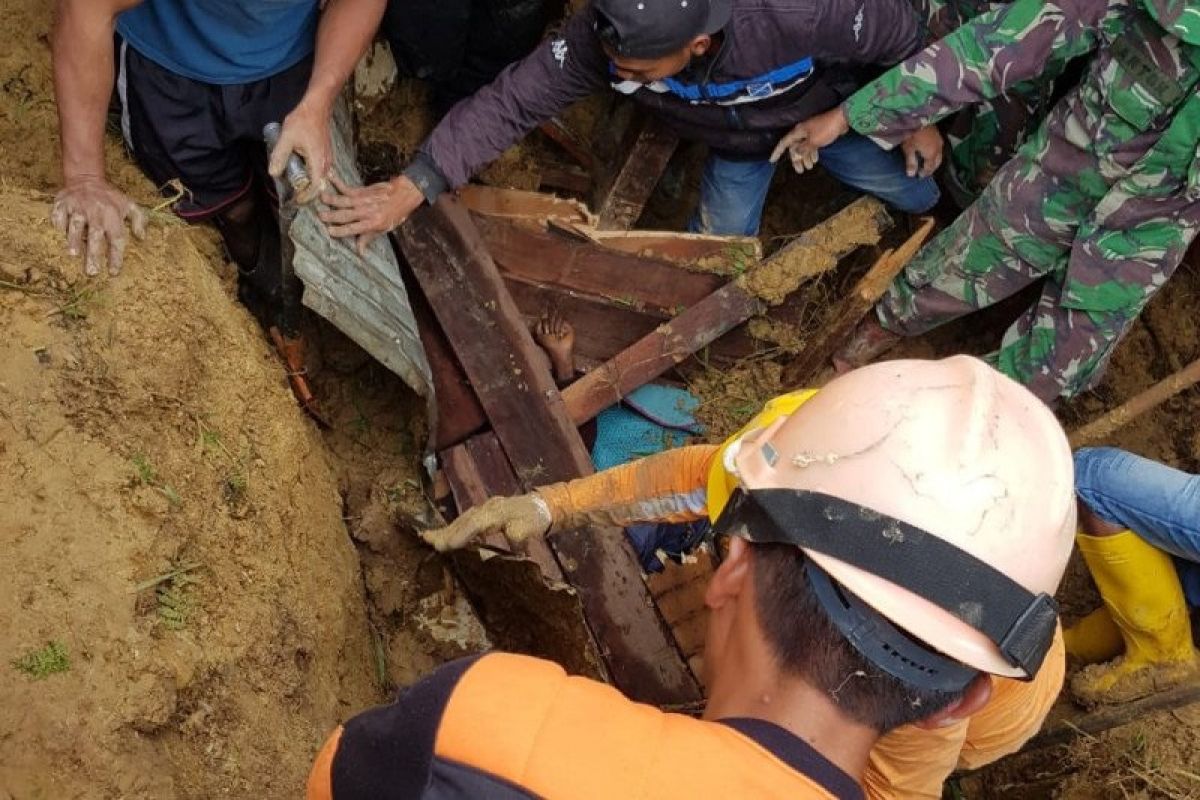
(730, 397)
(784, 272)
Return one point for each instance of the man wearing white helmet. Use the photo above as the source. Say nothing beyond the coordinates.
(894, 542)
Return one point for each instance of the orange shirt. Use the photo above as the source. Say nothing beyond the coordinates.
(509, 726)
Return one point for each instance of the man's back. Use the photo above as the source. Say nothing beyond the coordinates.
(511, 726)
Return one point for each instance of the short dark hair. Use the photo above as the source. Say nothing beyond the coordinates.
(807, 645)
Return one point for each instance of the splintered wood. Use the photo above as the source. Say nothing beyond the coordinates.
(729, 306)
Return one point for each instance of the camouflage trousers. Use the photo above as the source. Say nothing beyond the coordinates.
(981, 259)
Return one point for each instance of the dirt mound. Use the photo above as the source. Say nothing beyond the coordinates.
(172, 524)
(182, 608)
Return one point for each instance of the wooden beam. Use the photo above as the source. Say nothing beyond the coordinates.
(603, 328)
(723, 255)
(548, 257)
(1109, 717)
(467, 294)
(537, 207)
(625, 196)
(850, 310)
(712, 317)
(1100, 429)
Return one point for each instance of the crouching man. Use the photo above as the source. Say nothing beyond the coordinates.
(893, 545)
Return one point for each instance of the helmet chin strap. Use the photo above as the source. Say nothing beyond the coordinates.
(1020, 623)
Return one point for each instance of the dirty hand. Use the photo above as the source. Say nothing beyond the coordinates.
(805, 140)
(927, 144)
(518, 518)
(367, 211)
(92, 210)
(305, 132)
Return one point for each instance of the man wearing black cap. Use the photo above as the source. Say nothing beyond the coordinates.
(734, 74)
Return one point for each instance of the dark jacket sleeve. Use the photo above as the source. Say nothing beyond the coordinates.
(881, 32)
(562, 69)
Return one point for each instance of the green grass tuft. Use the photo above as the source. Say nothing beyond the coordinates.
(41, 664)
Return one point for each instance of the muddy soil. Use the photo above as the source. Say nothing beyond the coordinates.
(184, 611)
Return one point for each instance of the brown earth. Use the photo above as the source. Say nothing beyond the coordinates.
(171, 522)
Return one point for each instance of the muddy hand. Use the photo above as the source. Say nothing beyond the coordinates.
(305, 133)
(804, 142)
(922, 152)
(92, 215)
(518, 518)
(365, 212)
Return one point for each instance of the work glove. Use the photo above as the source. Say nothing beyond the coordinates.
(518, 518)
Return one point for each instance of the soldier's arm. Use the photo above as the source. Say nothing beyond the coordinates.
(980, 60)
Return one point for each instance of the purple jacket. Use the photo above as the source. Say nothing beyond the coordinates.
(779, 63)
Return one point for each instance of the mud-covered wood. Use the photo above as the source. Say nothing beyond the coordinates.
(551, 257)
(698, 326)
(1099, 430)
(652, 355)
(853, 307)
(646, 158)
(515, 387)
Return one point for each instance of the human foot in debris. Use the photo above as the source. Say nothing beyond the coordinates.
(556, 336)
(870, 340)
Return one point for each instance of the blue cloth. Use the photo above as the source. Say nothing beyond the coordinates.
(222, 41)
(649, 420)
(732, 193)
(1159, 503)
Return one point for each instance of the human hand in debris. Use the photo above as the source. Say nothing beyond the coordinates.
(367, 211)
(306, 133)
(922, 152)
(518, 518)
(91, 210)
(804, 141)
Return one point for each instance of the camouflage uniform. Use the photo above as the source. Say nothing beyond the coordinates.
(1102, 201)
(981, 139)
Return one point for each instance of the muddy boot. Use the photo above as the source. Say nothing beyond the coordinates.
(1094, 639)
(1142, 593)
(869, 341)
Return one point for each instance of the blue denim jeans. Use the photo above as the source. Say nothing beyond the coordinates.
(732, 193)
(1159, 503)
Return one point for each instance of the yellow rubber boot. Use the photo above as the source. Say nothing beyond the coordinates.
(1094, 638)
(1142, 593)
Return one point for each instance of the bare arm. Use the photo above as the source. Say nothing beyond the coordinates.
(88, 208)
(346, 30)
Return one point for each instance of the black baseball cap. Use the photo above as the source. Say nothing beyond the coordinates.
(655, 28)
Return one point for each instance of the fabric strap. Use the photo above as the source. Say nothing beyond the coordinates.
(1020, 623)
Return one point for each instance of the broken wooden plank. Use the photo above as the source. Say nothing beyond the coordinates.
(723, 255)
(538, 207)
(625, 195)
(715, 315)
(457, 413)
(850, 310)
(546, 257)
(467, 293)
